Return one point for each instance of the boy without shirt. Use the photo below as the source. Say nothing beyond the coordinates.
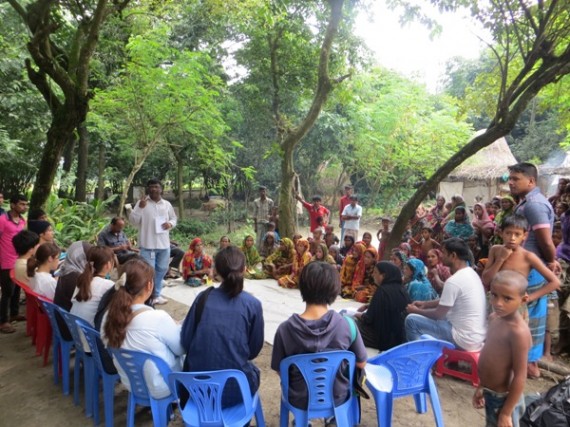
(512, 256)
(503, 359)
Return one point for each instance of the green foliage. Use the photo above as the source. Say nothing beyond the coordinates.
(73, 221)
(187, 229)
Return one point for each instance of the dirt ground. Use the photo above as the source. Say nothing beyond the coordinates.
(29, 397)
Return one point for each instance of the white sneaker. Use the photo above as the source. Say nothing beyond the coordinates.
(159, 300)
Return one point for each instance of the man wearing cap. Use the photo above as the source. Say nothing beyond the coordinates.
(344, 201)
(262, 207)
(351, 215)
(318, 214)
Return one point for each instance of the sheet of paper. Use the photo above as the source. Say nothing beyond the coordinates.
(158, 221)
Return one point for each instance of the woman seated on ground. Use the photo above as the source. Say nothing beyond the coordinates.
(40, 265)
(348, 244)
(363, 282)
(399, 259)
(381, 322)
(280, 262)
(301, 259)
(459, 226)
(196, 265)
(418, 286)
(349, 268)
(132, 325)
(437, 272)
(367, 239)
(92, 283)
(224, 327)
(334, 252)
(484, 228)
(72, 267)
(252, 258)
(269, 245)
(322, 254)
(224, 243)
(315, 330)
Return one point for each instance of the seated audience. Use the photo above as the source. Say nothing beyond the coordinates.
(322, 254)
(348, 244)
(252, 258)
(40, 265)
(459, 226)
(25, 242)
(437, 272)
(115, 238)
(349, 268)
(268, 245)
(228, 323)
(381, 322)
(316, 241)
(315, 330)
(367, 239)
(280, 262)
(301, 259)
(484, 228)
(334, 252)
(174, 268)
(73, 265)
(417, 284)
(363, 282)
(224, 243)
(92, 283)
(399, 259)
(459, 316)
(197, 265)
(132, 325)
(43, 229)
(330, 238)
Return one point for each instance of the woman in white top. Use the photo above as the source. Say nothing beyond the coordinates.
(39, 266)
(131, 325)
(92, 284)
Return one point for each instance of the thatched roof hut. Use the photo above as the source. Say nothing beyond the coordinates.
(482, 176)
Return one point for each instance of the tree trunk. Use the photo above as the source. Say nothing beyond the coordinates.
(82, 162)
(287, 204)
(68, 156)
(180, 186)
(64, 122)
(101, 171)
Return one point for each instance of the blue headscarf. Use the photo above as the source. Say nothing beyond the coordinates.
(419, 287)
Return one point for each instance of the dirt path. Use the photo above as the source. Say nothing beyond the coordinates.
(28, 396)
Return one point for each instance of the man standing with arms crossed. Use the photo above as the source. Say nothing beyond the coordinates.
(351, 215)
(262, 207)
(154, 217)
(540, 216)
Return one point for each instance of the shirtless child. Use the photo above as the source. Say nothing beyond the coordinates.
(503, 359)
(512, 256)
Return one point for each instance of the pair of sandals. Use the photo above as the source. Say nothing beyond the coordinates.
(7, 329)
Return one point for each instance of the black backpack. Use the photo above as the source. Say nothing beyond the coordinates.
(551, 409)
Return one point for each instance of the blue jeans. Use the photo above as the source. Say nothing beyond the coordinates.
(494, 403)
(417, 325)
(157, 259)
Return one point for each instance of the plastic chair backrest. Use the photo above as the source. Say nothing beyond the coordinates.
(133, 363)
(71, 322)
(410, 364)
(51, 309)
(319, 371)
(96, 346)
(206, 389)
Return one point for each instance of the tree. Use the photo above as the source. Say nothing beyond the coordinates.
(63, 39)
(161, 92)
(532, 50)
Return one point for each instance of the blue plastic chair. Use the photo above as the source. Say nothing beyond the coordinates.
(319, 370)
(61, 347)
(132, 363)
(82, 358)
(204, 405)
(402, 371)
(107, 374)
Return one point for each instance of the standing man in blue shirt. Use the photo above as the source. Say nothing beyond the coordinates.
(154, 217)
(538, 211)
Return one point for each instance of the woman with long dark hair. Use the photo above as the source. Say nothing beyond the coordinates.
(224, 327)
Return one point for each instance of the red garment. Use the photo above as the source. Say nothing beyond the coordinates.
(344, 200)
(314, 213)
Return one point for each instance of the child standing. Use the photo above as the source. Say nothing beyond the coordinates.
(503, 359)
(541, 281)
(383, 235)
(426, 244)
(330, 238)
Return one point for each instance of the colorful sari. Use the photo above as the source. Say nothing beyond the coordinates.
(193, 262)
(291, 281)
(281, 257)
(252, 259)
(484, 228)
(419, 288)
(326, 256)
(349, 268)
(435, 219)
(442, 271)
(363, 282)
(266, 248)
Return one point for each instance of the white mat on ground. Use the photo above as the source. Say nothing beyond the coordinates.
(278, 303)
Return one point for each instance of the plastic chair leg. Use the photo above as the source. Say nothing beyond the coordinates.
(259, 419)
(131, 406)
(355, 410)
(65, 362)
(160, 412)
(88, 373)
(56, 359)
(283, 416)
(109, 398)
(435, 403)
(95, 395)
(76, 375)
(384, 408)
(421, 404)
